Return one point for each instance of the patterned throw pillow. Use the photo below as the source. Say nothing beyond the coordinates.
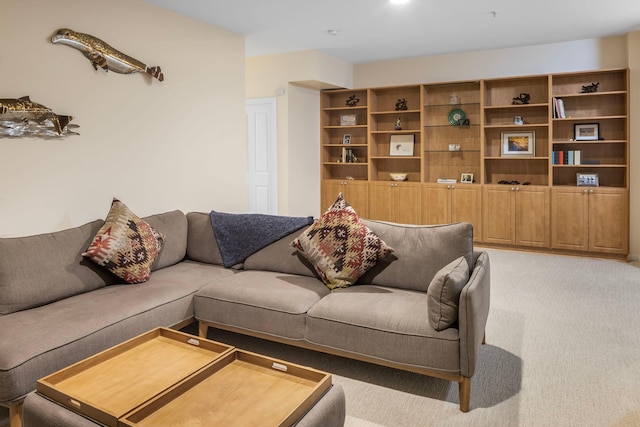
(125, 245)
(340, 246)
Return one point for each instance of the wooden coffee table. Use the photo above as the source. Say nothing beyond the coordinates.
(166, 377)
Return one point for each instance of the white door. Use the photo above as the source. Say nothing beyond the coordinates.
(262, 155)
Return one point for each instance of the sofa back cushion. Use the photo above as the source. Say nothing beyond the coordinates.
(173, 225)
(201, 242)
(36, 270)
(420, 252)
(281, 257)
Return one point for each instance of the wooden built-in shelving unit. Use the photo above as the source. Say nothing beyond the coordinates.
(530, 201)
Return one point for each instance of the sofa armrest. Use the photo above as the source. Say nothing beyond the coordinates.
(473, 313)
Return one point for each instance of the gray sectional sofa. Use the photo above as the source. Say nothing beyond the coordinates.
(57, 308)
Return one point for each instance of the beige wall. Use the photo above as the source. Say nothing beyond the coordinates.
(295, 79)
(592, 54)
(179, 144)
(174, 145)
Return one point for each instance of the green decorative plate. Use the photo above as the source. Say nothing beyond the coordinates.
(456, 116)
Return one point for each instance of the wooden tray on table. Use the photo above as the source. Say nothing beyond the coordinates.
(112, 383)
(239, 389)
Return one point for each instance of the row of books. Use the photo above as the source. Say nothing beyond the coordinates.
(348, 156)
(567, 157)
(558, 109)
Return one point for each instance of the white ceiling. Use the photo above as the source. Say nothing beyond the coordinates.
(375, 30)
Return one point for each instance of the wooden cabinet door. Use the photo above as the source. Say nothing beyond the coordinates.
(436, 204)
(466, 207)
(608, 221)
(356, 193)
(532, 216)
(381, 205)
(357, 196)
(498, 219)
(395, 202)
(569, 219)
(329, 193)
(406, 204)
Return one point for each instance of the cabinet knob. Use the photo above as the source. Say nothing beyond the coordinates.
(513, 189)
(517, 188)
(590, 191)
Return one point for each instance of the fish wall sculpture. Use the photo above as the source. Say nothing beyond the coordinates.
(102, 55)
(23, 117)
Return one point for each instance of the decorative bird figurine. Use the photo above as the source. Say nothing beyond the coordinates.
(352, 101)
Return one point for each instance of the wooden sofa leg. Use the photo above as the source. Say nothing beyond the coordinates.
(464, 390)
(202, 329)
(15, 415)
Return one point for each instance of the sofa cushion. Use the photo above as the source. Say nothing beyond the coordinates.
(125, 245)
(388, 324)
(419, 253)
(261, 301)
(66, 331)
(173, 225)
(340, 246)
(281, 257)
(444, 293)
(37, 270)
(201, 241)
(240, 235)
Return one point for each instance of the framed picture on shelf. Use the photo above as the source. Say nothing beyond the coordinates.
(346, 138)
(467, 178)
(587, 179)
(586, 132)
(348, 119)
(518, 143)
(401, 145)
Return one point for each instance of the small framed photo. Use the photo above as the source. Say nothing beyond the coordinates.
(466, 177)
(586, 132)
(401, 145)
(587, 179)
(518, 143)
(348, 119)
(346, 138)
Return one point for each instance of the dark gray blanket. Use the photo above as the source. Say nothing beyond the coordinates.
(240, 235)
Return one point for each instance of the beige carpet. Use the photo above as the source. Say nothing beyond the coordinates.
(563, 349)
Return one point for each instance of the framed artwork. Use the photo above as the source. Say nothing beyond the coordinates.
(467, 178)
(401, 145)
(348, 119)
(518, 143)
(586, 132)
(346, 138)
(587, 179)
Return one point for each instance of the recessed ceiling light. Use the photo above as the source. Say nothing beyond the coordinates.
(399, 1)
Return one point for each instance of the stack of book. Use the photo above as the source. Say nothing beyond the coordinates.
(558, 109)
(567, 157)
(348, 156)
